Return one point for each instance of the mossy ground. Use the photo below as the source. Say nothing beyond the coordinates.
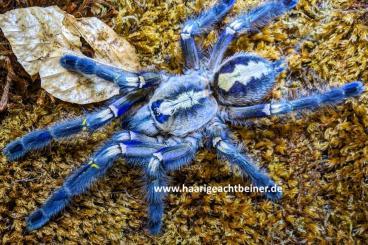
(319, 158)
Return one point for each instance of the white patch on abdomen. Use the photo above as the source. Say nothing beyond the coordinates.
(243, 74)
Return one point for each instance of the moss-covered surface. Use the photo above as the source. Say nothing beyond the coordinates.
(320, 159)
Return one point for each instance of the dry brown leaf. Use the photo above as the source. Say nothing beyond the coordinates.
(40, 36)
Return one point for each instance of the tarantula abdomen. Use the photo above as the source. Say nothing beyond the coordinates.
(245, 78)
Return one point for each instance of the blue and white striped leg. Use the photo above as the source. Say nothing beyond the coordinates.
(249, 22)
(82, 178)
(126, 80)
(227, 149)
(92, 121)
(259, 178)
(165, 160)
(333, 96)
(128, 135)
(198, 26)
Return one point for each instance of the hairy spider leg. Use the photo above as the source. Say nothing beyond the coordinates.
(226, 148)
(165, 160)
(82, 178)
(126, 80)
(125, 135)
(90, 122)
(333, 96)
(249, 22)
(200, 25)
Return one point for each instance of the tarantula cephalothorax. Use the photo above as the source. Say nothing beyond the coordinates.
(184, 113)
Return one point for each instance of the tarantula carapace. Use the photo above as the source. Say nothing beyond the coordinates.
(167, 118)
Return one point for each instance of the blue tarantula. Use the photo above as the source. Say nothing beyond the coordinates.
(167, 118)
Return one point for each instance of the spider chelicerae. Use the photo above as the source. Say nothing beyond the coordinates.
(167, 118)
